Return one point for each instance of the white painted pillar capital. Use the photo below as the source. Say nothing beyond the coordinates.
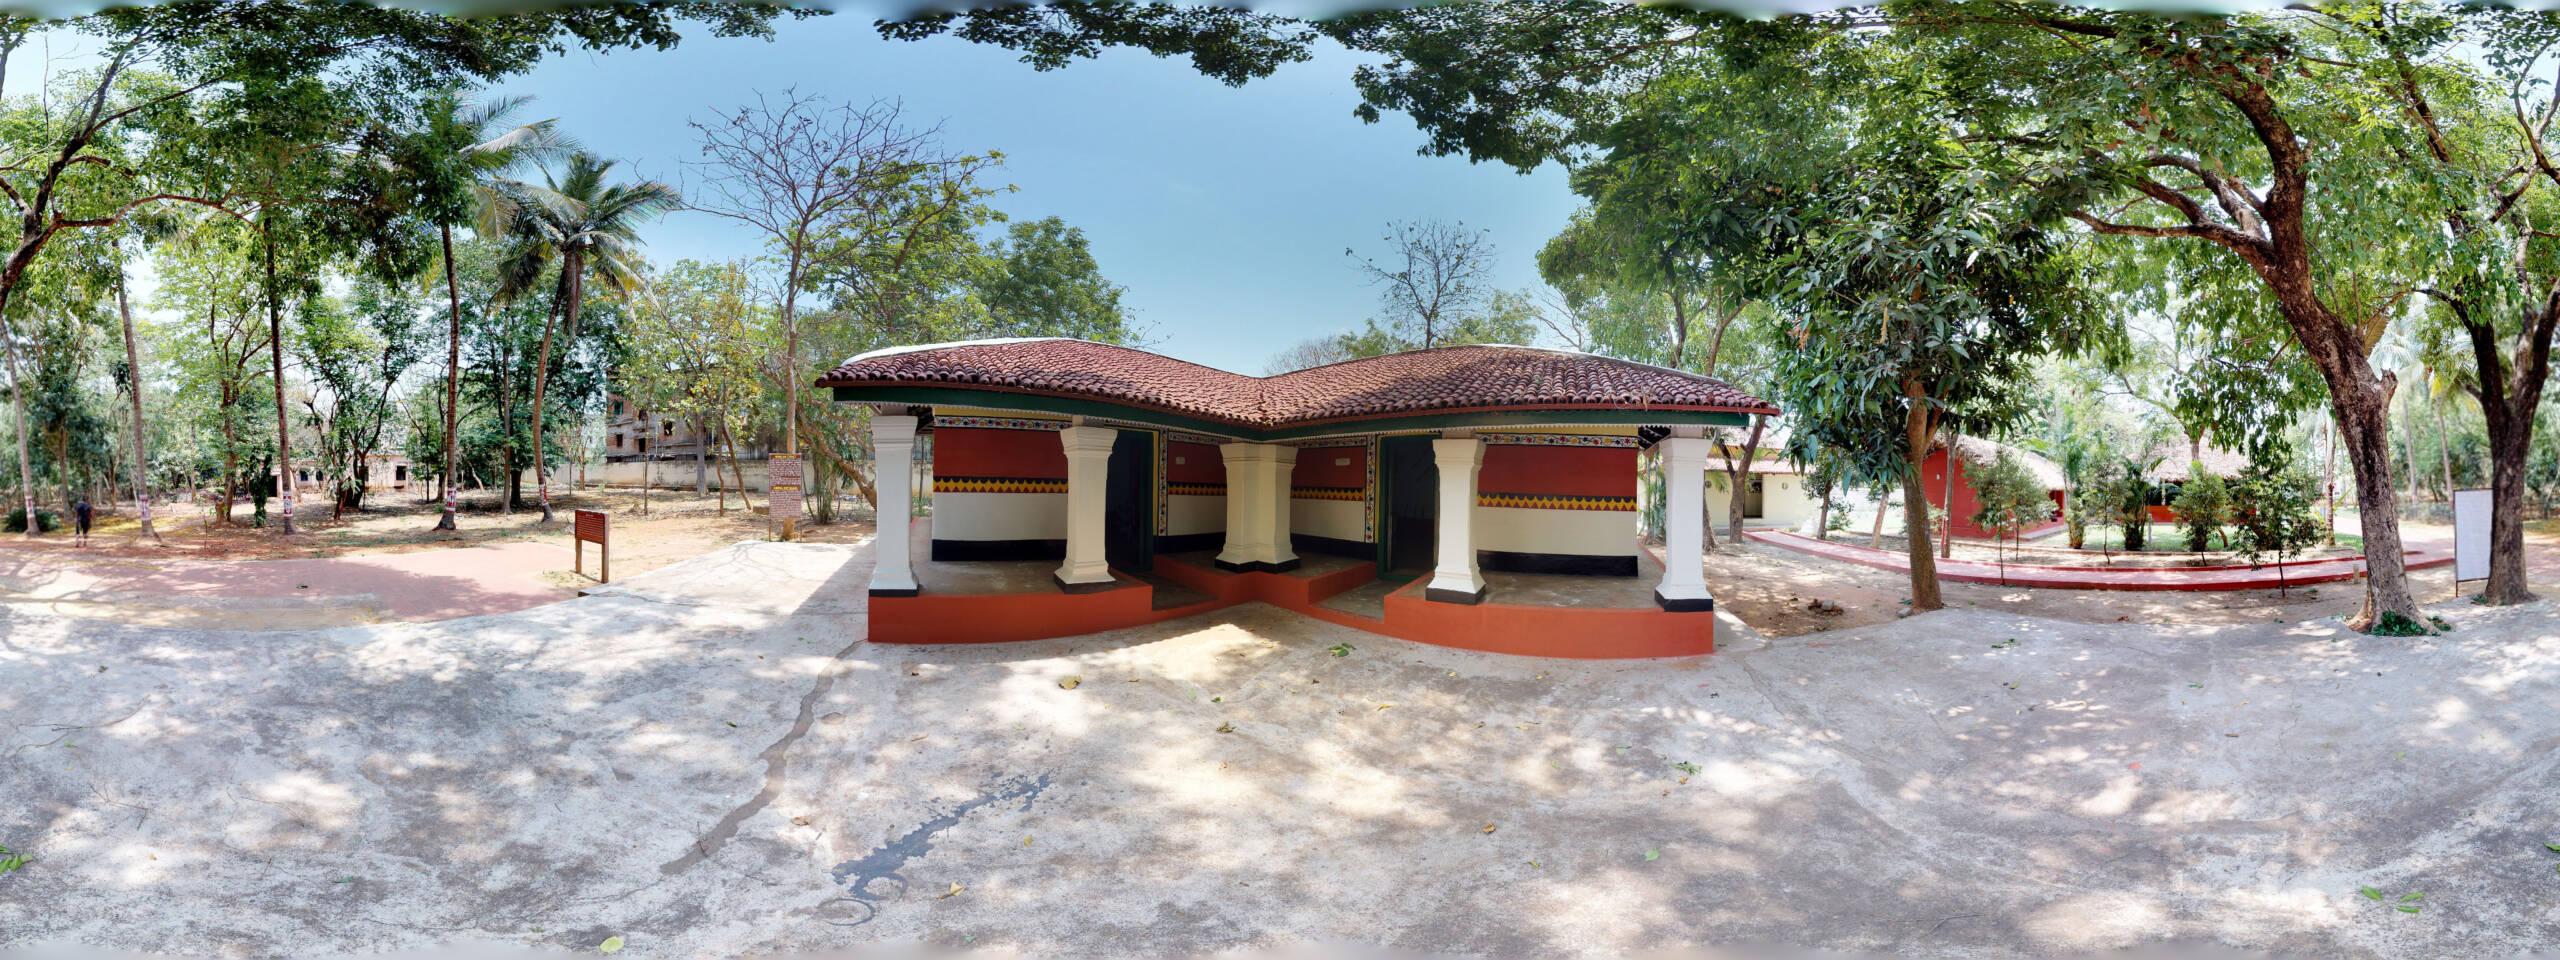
(893, 452)
(1088, 452)
(1456, 578)
(1684, 521)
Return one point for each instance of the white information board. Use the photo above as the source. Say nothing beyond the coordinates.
(2471, 534)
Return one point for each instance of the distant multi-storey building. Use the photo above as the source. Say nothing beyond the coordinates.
(633, 432)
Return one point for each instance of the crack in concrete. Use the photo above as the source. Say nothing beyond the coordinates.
(777, 767)
(887, 862)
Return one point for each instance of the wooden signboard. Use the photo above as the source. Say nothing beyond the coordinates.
(782, 475)
(591, 529)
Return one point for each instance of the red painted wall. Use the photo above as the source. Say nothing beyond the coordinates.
(1198, 463)
(1316, 467)
(1559, 471)
(1011, 454)
(1933, 482)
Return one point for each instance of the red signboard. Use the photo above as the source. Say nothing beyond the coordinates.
(782, 484)
(590, 528)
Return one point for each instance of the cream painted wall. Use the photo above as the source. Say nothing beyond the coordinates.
(1338, 519)
(999, 516)
(1192, 514)
(1783, 502)
(1594, 533)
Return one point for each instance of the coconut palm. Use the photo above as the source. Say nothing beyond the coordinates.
(591, 228)
(471, 149)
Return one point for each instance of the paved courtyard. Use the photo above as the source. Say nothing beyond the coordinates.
(707, 759)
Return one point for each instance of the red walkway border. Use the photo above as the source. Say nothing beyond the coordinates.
(2223, 577)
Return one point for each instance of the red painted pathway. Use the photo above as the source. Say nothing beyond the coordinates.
(423, 585)
(2293, 574)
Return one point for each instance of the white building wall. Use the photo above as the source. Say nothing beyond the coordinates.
(1338, 519)
(1595, 533)
(999, 516)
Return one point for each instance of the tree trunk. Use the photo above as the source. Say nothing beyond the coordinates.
(18, 409)
(141, 441)
(572, 287)
(792, 386)
(1947, 544)
(1875, 534)
(1917, 431)
(2361, 405)
(2444, 447)
(286, 488)
(2329, 485)
(1740, 471)
(702, 462)
(445, 519)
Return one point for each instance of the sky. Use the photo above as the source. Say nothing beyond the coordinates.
(1224, 211)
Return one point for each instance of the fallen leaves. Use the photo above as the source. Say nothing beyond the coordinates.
(1070, 683)
(610, 945)
(1228, 727)
(953, 892)
(1488, 828)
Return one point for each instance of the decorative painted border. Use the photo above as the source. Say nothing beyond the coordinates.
(996, 485)
(1327, 493)
(1197, 438)
(1543, 501)
(1333, 442)
(1556, 440)
(1164, 467)
(1000, 423)
(1189, 489)
(1369, 493)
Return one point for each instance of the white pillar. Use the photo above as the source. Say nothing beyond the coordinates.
(1456, 578)
(893, 447)
(1684, 519)
(1282, 463)
(1088, 475)
(1258, 507)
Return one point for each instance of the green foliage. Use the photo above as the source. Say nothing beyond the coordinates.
(2010, 497)
(47, 521)
(2272, 503)
(2204, 505)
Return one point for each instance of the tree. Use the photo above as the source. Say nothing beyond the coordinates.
(461, 157)
(2273, 502)
(1435, 272)
(2106, 495)
(2204, 504)
(1041, 275)
(2010, 500)
(692, 349)
(592, 231)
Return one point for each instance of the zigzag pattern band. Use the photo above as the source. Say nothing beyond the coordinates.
(1180, 489)
(1327, 493)
(996, 485)
(1542, 501)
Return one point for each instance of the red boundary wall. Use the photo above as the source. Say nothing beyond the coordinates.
(2217, 577)
(1583, 633)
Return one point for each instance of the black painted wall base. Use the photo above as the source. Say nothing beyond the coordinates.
(908, 592)
(1570, 564)
(1310, 543)
(1442, 595)
(1188, 542)
(982, 550)
(1065, 587)
(1699, 605)
(1258, 566)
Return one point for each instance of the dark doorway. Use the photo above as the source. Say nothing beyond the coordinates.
(1128, 506)
(1751, 499)
(1410, 493)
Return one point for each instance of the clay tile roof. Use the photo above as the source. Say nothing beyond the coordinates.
(1420, 381)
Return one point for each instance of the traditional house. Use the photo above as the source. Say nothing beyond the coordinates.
(1459, 480)
(1976, 452)
(1773, 491)
(2173, 464)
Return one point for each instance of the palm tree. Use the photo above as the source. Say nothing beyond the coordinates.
(592, 228)
(473, 145)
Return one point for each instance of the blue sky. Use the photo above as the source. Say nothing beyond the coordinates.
(1224, 211)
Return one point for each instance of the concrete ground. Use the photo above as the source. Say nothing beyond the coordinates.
(289, 594)
(707, 760)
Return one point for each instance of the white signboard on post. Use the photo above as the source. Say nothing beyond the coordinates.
(2471, 512)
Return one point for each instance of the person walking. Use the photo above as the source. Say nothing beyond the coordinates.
(80, 514)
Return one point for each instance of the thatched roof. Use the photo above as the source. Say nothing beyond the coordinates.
(1980, 452)
(2175, 461)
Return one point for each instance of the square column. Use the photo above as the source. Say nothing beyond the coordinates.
(1456, 578)
(893, 454)
(1088, 476)
(1684, 522)
(1258, 507)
